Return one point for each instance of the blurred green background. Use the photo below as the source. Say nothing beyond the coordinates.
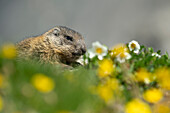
(108, 21)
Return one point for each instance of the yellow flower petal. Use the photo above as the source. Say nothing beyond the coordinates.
(142, 75)
(163, 77)
(153, 95)
(113, 84)
(105, 68)
(161, 108)
(9, 51)
(1, 103)
(1, 80)
(105, 92)
(137, 106)
(42, 83)
(64, 111)
(120, 48)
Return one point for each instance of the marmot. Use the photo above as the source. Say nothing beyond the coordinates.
(59, 45)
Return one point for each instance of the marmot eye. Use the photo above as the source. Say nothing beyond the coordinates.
(69, 38)
(56, 32)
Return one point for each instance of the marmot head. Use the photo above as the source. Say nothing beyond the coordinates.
(68, 42)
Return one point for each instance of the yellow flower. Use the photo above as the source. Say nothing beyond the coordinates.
(120, 48)
(163, 76)
(113, 83)
(42, 83)
(1, 80)
(1, 103)
(106, 68)
(105, 92)
(153, 95)
(161, 108)
(17, 112)
(9, 51)
(64, 111)
(142, 75)
(137, 106)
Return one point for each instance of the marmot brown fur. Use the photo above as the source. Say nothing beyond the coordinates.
(59, 45)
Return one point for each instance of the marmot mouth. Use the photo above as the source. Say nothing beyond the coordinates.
(76, 54)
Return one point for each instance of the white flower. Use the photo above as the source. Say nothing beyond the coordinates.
(82, 61)
(134, 46)
(156, 54)
(122, 57)
(97, 50)
(147, 81)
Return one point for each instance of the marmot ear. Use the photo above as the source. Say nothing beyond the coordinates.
(56, 31)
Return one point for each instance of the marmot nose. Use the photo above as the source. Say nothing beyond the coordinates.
(83, 51)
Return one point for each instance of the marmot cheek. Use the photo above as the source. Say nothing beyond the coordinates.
(80, 52)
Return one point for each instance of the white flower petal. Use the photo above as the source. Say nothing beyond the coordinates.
(82, 61)
(156, 54)
(104, 48)
(120, 60)
(100, 57)
(86, 61)
(136, 51)
(94, 44)
(91, 55)
(128, 56)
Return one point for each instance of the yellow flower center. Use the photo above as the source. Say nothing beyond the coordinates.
(99, 50)
(122, 55)
(133, 46)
